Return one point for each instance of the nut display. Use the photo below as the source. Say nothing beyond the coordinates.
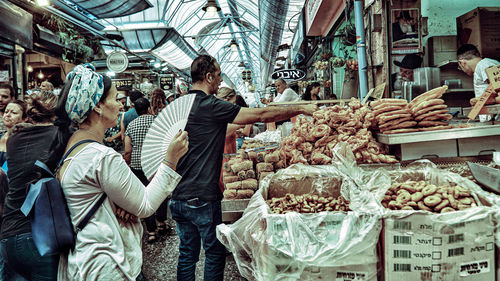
(307, 203)
(419, 195)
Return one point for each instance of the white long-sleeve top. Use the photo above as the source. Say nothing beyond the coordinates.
(106, 248)
(288, 95)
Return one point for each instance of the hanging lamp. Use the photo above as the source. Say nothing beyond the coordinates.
(233, 45)
(211, 8)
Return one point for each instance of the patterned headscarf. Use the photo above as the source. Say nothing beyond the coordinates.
(85, 92)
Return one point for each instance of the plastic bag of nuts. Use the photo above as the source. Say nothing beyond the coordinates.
(307, 203)
(420, 195)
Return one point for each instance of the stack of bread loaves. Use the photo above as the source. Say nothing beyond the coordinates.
(393, 116)
(429, 110)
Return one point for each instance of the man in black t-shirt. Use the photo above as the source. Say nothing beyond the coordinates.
(195, 204)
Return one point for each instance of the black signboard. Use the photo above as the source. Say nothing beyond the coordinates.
(289, 74)
(166, 83)
(124, 84)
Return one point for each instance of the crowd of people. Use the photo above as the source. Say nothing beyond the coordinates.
(44, 126)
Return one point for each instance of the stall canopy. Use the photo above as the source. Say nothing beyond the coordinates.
(197, 31)
(112, 8)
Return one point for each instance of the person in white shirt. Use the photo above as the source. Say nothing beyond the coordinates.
(284, 93)
(471, 62)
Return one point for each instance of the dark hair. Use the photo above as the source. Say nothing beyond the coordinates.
(141, 106)
(201, 66)
(240, 101)
(21, 104)
(12, 93)
(307, 94)
(158, 100)
(134, 95)
(41, 107)
(467, 51)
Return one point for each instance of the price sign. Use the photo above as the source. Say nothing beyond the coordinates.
(493, 73)
(481, 102)
(124, 84)
(166, 82)
(376, 93)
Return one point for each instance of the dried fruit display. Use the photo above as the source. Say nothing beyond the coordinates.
(419, 195)
(307, 203)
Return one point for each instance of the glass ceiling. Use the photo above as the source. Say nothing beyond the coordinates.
(237, 20)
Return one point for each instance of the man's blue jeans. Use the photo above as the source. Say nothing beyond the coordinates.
(197, 219)
(22, 257)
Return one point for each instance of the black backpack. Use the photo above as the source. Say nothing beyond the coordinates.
(45, 204)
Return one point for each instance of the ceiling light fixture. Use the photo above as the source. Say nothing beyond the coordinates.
(40, 75)
(42, 3)
(211, 8)
(233, 45)
(29, 68)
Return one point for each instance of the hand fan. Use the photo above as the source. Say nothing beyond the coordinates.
(167, 124)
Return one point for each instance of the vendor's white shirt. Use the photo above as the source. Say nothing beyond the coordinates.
(480, 81)
(108, 249)
(288, 95)
(480, 77)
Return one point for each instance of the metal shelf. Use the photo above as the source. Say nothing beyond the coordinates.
(455, 133)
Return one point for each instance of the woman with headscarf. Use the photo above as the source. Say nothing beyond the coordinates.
(38, 141)
(106, 248)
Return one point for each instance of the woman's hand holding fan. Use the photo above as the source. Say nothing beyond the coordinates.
(177, 148)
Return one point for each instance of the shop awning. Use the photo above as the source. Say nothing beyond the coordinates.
(113, 8)
(16, 25)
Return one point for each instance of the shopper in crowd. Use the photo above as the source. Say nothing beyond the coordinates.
(7, 94)
(131, 114)
(113, 136)
(46, 86)
(170, 97)
(471, 62)
(106, 248)
(312, 91)
(15, 113)
(195, 204)
(134, 138)
(123, 99)
(406, 68)
(158, 101)
(27, 143)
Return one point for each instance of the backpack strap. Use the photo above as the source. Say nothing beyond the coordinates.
(72, 148)
(89, 215)
(99, 202)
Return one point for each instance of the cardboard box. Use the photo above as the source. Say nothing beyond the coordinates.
(481, 28)
(442, 48)
(360, 265)
(425, 247)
